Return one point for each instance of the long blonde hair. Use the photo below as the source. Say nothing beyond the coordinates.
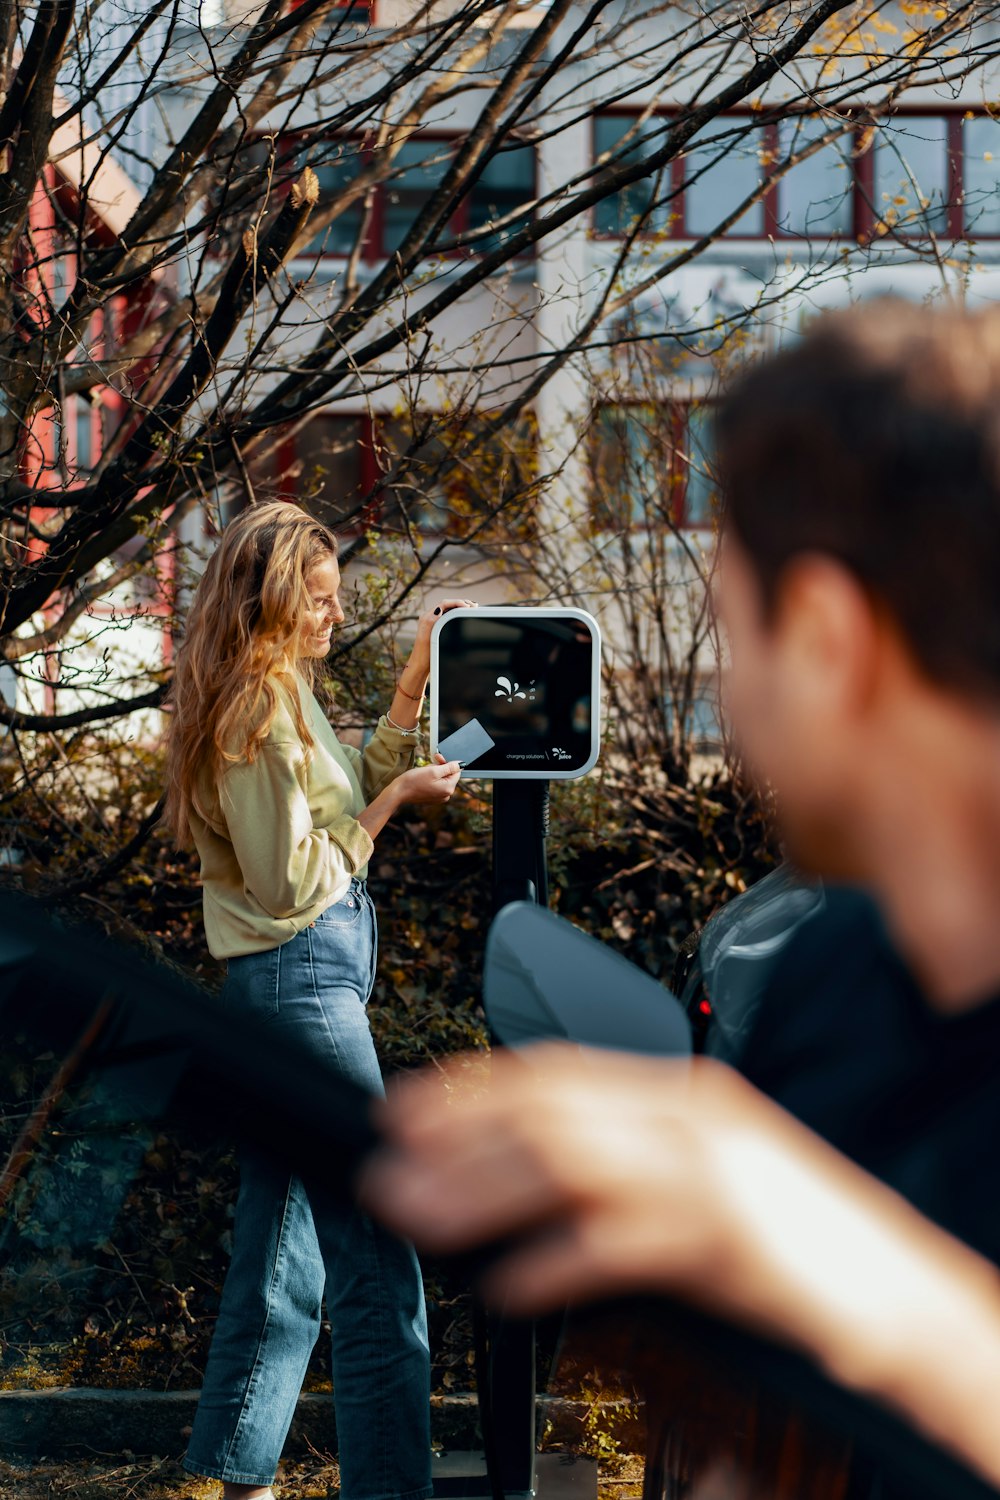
(242, 638)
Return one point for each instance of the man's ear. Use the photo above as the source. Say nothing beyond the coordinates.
(831, 631)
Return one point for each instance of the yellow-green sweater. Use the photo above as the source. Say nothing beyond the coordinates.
(279, 837)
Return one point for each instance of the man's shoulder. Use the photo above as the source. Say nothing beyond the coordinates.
(837, 984)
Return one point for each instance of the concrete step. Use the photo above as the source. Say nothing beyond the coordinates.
(77, 1422)
(558, 1476)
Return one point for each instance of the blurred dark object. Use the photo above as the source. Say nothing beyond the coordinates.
(544, 979)
(724, 972)
(134, 1043)
(731, 1416)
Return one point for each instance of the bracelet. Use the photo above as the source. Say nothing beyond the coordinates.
(419, 697)
(393, 725)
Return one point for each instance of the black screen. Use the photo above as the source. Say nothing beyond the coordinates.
(529, 684)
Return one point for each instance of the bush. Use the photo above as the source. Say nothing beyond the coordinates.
(638, 863)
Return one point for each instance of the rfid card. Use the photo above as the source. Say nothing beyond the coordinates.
(466, 744)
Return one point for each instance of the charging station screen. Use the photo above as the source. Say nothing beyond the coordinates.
(515, 695)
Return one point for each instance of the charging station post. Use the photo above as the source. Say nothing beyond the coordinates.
(520, 828)
(515, 696)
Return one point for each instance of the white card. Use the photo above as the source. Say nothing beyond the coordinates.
(466, 744)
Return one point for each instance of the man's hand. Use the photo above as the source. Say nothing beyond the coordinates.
(610, 1173)
(615, 1172)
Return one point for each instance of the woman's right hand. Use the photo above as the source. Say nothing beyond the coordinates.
(434, 783)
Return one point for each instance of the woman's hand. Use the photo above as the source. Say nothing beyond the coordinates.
(420, 656)
(434, 783)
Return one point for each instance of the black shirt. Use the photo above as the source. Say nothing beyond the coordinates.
(846, 1042)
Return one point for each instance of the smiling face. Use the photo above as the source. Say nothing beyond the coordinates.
(324, 613)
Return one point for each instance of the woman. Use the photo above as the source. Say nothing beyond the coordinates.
(283, 818)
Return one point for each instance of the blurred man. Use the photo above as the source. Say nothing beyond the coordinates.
(860, 589)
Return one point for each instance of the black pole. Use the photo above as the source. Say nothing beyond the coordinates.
(520, 826)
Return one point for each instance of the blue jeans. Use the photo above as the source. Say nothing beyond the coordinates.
(291, 1242)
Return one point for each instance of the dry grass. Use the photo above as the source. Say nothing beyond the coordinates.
(152, 1479)
(164, 1479)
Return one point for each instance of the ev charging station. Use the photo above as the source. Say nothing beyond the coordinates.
(515, 697)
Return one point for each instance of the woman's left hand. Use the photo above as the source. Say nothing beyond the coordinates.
(421, 653)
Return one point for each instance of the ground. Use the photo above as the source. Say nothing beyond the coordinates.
(164, 1479)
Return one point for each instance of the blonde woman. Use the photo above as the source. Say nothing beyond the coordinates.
(283, 817)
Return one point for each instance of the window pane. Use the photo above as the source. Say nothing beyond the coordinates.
(344, 10)
(719, 174)
(334, 173)
(507, 181)
(418, 169)
(485, 491)
(319, 466)
(702, 730)
(328, 449)
(614, 215)
(981, 159)
(626, 480)
(700, 490)
(814, 198)
(911, 174)
(419, 498)
(84, 418)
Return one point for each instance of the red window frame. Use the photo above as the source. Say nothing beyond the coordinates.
(286, 457)
(864, 217)
(370, 471)
(368, 5)
(374, 249)
(677, 411)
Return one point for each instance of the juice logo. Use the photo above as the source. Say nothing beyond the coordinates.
(511, 690)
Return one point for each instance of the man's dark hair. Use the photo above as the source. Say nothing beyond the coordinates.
(876, 440)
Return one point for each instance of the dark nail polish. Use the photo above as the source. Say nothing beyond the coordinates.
(437, 609)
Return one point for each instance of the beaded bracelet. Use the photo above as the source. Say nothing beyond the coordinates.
(393, 725)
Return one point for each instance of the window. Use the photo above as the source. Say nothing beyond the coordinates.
(815, 197)
(322, 466)
(419, 498)
(913, 174)
(722, 168)
(505, 185)
(359, 11)
(485, 493)
(340, 466)
(981, 175)
(617, 213)
(651, 466)
(912, 189)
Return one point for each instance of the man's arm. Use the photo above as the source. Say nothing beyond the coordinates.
(614, 1174)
